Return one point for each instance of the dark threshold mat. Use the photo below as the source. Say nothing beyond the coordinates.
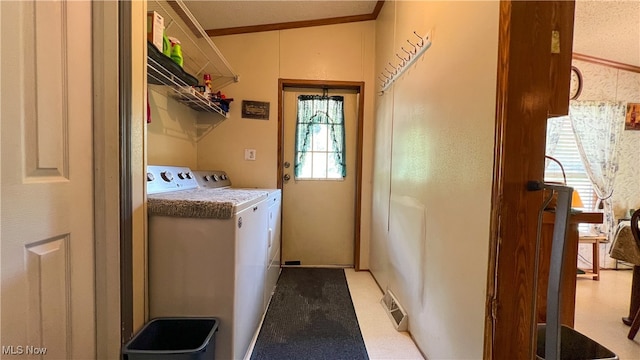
(311, 316)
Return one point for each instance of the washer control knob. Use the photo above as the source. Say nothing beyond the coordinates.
(150, 177)
(206, 178)
(181, 175)
(215, 177)
(188, 175)
(166, 176)
(223, 177)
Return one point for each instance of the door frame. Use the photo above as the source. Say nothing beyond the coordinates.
(532, 84)
(107, 196)
(358, 86)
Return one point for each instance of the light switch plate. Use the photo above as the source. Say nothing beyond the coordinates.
(250, 154)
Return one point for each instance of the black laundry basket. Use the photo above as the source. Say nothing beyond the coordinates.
(574, 346)
(174, 339)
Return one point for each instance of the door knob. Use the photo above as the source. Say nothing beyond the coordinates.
(287, 177)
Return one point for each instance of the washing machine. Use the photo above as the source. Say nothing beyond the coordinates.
(218, 179)
(206, 254)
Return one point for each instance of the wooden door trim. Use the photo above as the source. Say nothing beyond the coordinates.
(524, 88)
(358, 86)
(290, 25)
(607, 63)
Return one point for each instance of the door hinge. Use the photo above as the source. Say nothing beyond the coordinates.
(555, 42)
(494, 309)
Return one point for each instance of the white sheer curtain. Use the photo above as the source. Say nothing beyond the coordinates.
(554, 125)
(598, 126)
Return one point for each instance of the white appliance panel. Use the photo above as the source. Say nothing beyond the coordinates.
(210, 267)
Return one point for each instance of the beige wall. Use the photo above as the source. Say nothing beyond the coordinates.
(171, 135)
(433, 171)
(336, 52)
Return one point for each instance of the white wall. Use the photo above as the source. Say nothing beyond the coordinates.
(433, 171)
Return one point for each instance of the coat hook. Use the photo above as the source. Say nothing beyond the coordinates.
(408, 53)
(421, 43)
(387, 70)
(415, 49)
(404, 61)
(395, 69)
(388, 78)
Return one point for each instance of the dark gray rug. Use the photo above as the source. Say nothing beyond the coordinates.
(311, 316)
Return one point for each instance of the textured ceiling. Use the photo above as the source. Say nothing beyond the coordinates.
(219, 14)
(608, 30)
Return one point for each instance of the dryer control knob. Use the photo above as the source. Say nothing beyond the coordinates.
(150, 177)
(188, 175)
(166, 176)
(181, 175)
(215, 177)
(206, 178)
(223, 177)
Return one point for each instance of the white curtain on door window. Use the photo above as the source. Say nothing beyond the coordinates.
(598, 126)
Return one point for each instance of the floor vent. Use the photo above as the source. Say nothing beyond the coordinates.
(396, 313)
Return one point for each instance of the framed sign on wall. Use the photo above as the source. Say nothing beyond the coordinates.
(255, 110)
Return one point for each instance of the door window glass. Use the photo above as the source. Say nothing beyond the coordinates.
(320, 139)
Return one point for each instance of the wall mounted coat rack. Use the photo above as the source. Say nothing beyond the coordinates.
(392, 72)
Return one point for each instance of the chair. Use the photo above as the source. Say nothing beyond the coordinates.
(635, 287)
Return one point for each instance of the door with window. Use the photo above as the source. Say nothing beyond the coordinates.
(319, 187)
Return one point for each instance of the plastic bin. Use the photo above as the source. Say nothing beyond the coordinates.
(174, 339)
(574, 346)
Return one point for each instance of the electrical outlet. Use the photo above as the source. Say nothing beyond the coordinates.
(250, 154)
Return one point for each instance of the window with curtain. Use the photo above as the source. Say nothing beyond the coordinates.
(566, 151)
(320, 139)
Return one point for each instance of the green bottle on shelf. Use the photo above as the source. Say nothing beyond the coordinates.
(166, 45)
(176, 51)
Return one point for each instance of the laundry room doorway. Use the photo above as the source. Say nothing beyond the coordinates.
(320, 173)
